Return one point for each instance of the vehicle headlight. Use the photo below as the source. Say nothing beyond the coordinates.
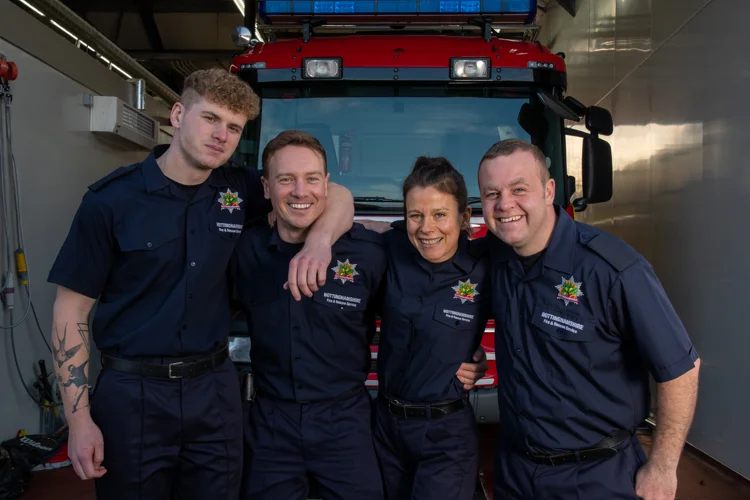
(322, 68)
(470, 69)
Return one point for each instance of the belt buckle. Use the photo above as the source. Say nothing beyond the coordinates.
(170, 369)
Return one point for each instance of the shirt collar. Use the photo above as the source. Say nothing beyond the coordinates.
(463, 259)
(559, 252)
(274, 240)
(155, 179)
(501, 252)
(218, 178)
(561, 248)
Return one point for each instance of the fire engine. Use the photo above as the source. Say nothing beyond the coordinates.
(381, 82)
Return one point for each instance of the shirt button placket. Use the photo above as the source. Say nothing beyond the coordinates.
(295, 312)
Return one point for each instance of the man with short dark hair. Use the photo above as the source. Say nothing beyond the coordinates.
(310, 359)
(581, 319)
(151, 242)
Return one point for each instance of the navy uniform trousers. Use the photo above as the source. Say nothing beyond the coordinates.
(286, 442)
(427, 459)
(169, 437)
(517, 478)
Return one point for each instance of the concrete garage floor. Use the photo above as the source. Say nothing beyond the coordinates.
(699, 478)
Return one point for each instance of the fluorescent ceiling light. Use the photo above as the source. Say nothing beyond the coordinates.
(114, 66)
(81, 42)
(71, 35)
(27, 4)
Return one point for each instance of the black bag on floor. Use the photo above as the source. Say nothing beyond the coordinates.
(17, 457)
(15, 473)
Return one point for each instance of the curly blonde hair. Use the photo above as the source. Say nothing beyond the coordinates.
(223, 88)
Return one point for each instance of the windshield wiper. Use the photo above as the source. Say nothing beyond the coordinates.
(473, 199)
(376, 199)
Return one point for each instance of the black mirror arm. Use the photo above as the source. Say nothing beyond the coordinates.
(580, 204)
(578, 133)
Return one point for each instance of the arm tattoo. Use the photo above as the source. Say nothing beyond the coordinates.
(61, 355)
(83, 329)
(77, 375)
(78, 378)
(79, 394)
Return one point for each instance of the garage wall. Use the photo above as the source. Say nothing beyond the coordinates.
(674, 75)
(57, 158)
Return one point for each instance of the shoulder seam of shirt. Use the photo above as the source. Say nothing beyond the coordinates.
(618, 278)
(116, 174)
(361, 233)
(605, 245)
(100, 201)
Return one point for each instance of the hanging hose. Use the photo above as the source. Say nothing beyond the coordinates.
(9, 187)
(8, 291)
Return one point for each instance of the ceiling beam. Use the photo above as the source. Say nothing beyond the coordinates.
(120, 15)
(569, 6)
(149, 24)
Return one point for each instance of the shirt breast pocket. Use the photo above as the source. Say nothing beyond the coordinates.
(456, 330)
(138, 238)
(147, 253)
(565, 326)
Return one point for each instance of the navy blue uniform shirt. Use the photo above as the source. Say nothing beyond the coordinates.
(318, 348)
(156, 258)
(433, 317)
(576, 338)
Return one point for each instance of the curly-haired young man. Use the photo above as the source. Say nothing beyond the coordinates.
(151, 242)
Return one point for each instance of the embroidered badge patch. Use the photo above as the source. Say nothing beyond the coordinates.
(229, 200)
(344, 271)
(465, 290)
(569, 290)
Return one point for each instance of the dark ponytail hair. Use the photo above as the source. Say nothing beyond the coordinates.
(440, 174)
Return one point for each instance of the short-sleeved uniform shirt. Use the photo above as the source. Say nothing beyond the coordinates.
(576, 337)
(433, 317)
(156, 257)
(315, 349)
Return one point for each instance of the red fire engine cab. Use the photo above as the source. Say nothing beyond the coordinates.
(381, 82)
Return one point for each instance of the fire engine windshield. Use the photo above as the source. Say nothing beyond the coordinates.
(372, 136)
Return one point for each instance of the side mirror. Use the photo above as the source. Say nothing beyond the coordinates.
(242, 37)
(599, 121)
(597, 173)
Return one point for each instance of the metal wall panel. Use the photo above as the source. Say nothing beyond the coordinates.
(680, 103)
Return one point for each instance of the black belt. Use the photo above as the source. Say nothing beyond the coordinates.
(601, 451)
(438, 410)
(185, 368)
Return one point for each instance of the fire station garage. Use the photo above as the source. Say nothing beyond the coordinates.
(534, 299)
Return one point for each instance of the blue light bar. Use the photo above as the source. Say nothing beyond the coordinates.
(332, 9)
